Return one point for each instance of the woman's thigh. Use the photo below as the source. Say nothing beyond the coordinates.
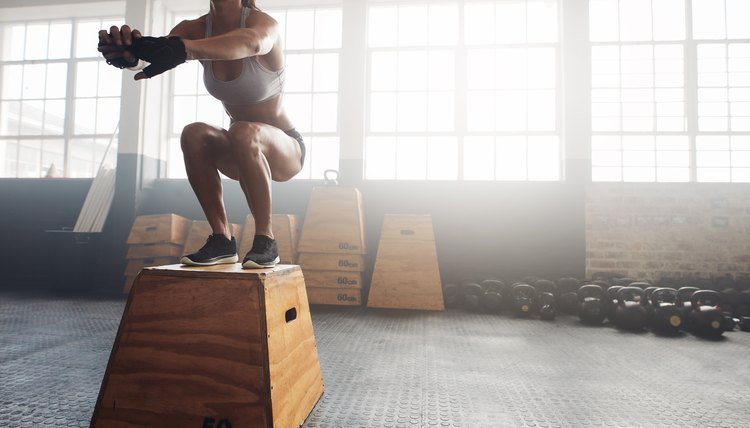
(282, 152)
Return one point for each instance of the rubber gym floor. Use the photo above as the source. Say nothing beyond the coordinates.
(387, 368)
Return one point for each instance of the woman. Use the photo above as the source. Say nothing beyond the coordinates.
(240, 49)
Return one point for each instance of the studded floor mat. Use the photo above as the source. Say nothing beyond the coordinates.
(387, 368)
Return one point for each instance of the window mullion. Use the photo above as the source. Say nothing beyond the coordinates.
(461, 92)
(691, 89)
(69, 120)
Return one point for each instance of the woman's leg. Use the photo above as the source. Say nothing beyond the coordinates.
(260, 154)
(202, 146)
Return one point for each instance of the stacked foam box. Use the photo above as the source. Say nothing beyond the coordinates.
(154, 240)
(332, 246)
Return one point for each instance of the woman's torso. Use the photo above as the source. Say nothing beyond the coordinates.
(229, 78)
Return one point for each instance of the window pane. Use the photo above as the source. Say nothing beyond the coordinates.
(412, 70)
(441, 70)
(542, 21)
(510, 21)
(443, 24)
(442, 153)
(510, 113)
(603, 20)
(708, 19)
(544, 158)
(10, 117)
(108, 114)
(669, 19)
(511, 158)
(36, 41)
(411, 163)
(34, 76)
(412, 25)
(30, 159)
(299, 107)
(87, 75)
(479, 158)
(381, 22)
(59, 40)
(54, 117)
(299, 73)
(32, 117)
(541, 111)
(327, 28)
(110, 80)
(633, 14)
(86, 38)
(185, 78)
(324, 153)
(183, 113)
(383, 71)
(737, 19)
(441, 111)
(383, 112)
(324, 112)
(299, 29)
(85, 117)
(14, 42)
(480, 111)
(380, 158)
(412, 112)
(57, 80)
(479, 23)
(12, 74)
(326, 72)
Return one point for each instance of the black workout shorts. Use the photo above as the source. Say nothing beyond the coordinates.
(297, 136)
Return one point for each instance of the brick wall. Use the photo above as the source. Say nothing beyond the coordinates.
(654, 231)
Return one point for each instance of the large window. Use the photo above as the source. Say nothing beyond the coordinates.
(60, 103)
(312, 45)
(670, 90)
(463, 90)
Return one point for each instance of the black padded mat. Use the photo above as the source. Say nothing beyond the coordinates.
(387, 368)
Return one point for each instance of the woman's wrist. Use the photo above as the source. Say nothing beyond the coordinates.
(188, 49)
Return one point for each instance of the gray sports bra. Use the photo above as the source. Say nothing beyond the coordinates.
(254, 84)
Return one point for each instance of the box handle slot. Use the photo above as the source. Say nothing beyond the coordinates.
(407, 231)
(290, 315)
(150, 228)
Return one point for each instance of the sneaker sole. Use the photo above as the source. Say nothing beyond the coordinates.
(249, 264)
(215, 261)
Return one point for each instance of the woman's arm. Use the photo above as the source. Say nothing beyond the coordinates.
(257, 39)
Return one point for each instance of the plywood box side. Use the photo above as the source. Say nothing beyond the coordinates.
(334, 222)
(143, 251)
(294, 369)
(332, 261)
(332, 279)
(159, 228)
(347, 296)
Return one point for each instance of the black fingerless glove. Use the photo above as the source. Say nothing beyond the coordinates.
(164, 53)
(120, 62)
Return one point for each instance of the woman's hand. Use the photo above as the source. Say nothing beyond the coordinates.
(115, 45)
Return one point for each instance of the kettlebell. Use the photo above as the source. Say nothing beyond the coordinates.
(492, 300)
(706, 318)
(683, 303)
(331, 177)
(567, 301)
(646, 302)
(667, 317)
(610, 303)
(472, 294)
(631, 315)
(524, 296)
(547, 295)
(591, 309)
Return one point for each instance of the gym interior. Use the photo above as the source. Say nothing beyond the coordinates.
(549, 199)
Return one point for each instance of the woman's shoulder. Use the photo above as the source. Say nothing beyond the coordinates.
(191, 29)
(258, 18)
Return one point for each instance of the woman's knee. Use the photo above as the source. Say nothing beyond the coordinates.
(245, 138)
(195, 136)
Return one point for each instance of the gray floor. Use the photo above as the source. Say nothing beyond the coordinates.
(411, 369)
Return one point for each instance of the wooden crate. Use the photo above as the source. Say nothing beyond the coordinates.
(135, 265)
(199, 231)
(198, 346)
(324, 261)
(334, 222)
(145, 251)
(344, 296)
(285, 231)
(332, 279)
(406, 273)
(159, 228)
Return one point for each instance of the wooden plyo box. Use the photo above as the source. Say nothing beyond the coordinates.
(346, 296)
(199, 231)
(334, 222)
(406, 274)
(159, 228)
(284, 231)
(323, 261)
(212, 346)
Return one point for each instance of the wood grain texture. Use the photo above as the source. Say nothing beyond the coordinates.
(334, 222)
(327, 261)
(159, 228)
(135, 265)
(406, 274)
(285, 231)
(294, 369)
(199, 231)
(332, 279)
(197, 342)
(345, 296)
(143, 251)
